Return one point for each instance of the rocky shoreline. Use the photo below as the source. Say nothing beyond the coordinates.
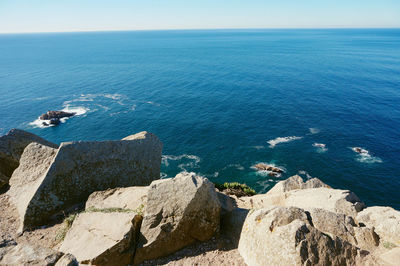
(102, 203)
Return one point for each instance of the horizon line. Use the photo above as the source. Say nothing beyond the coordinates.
(196, 29)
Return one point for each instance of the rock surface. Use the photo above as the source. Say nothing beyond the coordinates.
(179, 212)
(24, 254)
(102, 238)
(284, 236)
(130, 198)
(12, 146)
(77, 170)
(386, 222)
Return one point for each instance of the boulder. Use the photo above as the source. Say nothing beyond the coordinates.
(67, 260)
(12, 146)
(102, 238)
(296, 182)
(311, 194)
(267, 167)
(130, 198)
(77, 170)
(386, 222)
(56, 115)
(285, 236)
(179, 212)
(26, 254)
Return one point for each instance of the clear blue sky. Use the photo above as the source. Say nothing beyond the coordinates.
(92, 15)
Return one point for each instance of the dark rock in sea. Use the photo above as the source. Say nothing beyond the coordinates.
(56, 114)
(54, 121)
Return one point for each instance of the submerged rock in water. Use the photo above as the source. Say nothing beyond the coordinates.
(267, 167)
(56, 114)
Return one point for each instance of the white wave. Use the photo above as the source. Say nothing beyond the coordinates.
(273, 142)
(77, 110)
(265, 184)
(321, 147)
(237, 166)
(192, 161)
(153, 103)
(314, 130)
(364, 156)
(163, 175)
(305, 173)
(114, 96)
(258, 147)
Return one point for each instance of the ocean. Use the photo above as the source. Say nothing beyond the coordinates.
(222, 100)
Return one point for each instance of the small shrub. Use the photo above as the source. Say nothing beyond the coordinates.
(389, 245)
(235, 188)
(67, 223)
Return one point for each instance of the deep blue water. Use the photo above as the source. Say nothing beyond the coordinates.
(216, 97)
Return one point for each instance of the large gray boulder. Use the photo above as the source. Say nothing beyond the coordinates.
(99, 238)
(76, 170)
(285, 236)
(129, 198)
(12, 146)
(386, 222)
(26, 254)
(179, 212)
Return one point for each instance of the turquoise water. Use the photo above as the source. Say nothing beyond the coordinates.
(215, 99)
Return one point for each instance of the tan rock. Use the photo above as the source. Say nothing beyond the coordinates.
(67, 260)
(124, 198)
(366, 238)
(80, 168)
(284, 236)
(179, 211)
(296, 182)
(25, 254)
(391, 257)
(386, 222)
(12, 146)
(102, 238)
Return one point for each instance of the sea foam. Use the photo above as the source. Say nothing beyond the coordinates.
(273, 142)
(364, 156)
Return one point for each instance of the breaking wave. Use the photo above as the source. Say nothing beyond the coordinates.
(321, 147)
(80, 110)
(364, 156)
(187, 161)
(273, 142)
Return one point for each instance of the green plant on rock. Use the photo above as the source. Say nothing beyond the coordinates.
(236, 188)
(389, 245)
(67, 223)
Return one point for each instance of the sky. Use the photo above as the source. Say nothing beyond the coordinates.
(106, 15)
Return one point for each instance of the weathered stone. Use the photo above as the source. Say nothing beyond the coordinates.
(334, 224)
(67, 260)
(80, 168)
(232, 224)
(366, 238)
(284, 236)
(296, 182)
(102, 238)
(391, 257)
(179, 211)
(25, 254)
(130, 198)
(386, 222)
(12, 146)
(30, 174)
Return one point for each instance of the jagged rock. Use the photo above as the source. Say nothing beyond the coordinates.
(366, 238)
(56, 115)
(267, 167)
(102, 238)
(129, 198)
(67, 260)
(284, 236)
(77, 170)
(12, 146)
(54, 121)
(385, 220)
(179, 211)
(296, 182)
(25, 254)
(311, 194)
